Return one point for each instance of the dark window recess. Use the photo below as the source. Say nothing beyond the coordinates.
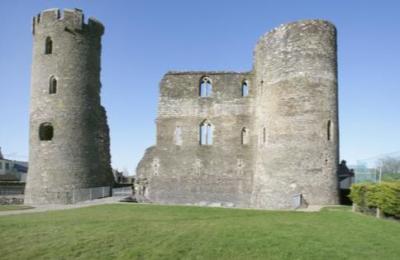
(49, 46)
(46, 132)
(53, 85)
(264, 135)
(328, 130)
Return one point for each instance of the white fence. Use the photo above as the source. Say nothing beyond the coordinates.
(90, 194)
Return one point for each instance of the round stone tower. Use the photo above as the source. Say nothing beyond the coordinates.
(296, 75)
(69, 136)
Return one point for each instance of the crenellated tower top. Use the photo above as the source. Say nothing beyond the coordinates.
(68, 19)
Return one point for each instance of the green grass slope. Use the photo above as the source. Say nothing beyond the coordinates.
(175, 232)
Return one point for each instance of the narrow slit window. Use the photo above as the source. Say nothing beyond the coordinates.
(245, 88)
(206, 133)
(53, 85)
(264, 135)
(328, 130)
(205, 87)
(46, 132)
(245, 136)
(48, 46)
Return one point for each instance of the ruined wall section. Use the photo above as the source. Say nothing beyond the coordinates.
(77, 156)
(103, 141)
(295, 68)
(185, 172)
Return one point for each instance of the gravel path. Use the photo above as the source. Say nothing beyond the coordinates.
(44, 208)
(109, 200)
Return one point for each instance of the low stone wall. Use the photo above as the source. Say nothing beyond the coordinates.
(11, 199)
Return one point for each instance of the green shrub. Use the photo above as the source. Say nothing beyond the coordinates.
(373, 196)
(357, 194)
(385, 196)
(390, 198)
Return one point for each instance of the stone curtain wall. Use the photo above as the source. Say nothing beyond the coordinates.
(187, 172)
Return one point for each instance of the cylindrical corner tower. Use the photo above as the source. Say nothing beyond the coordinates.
(69, 139)
(296, 73)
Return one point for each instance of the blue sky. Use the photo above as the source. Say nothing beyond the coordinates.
(145, 39)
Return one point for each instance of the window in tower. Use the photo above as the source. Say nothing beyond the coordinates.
(49, 46)
(245, 135)
(53, 85)
(264, 135)
(205, 89)
(46, 132)
(329, 130)
(245, 88)
(206, 133)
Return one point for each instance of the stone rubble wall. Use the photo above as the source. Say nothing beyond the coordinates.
(291, 114)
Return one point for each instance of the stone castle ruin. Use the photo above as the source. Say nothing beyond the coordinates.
(69, 136)
(256, 139)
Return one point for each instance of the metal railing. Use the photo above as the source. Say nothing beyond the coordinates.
(90, 194)
(77, 195)
(122, 192)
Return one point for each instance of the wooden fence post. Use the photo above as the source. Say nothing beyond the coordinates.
(379, 213)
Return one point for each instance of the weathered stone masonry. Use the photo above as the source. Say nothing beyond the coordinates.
(279, 140)
(69, 136)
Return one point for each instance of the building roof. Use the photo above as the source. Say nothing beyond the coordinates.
(20, 167)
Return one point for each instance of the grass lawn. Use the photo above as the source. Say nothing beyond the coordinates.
(136, 231)
(14, 207)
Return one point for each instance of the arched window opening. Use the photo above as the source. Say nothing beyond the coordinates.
(205, 87)
(206, 133)
(245, 88)
(178, 135)
(329, 130)
(46, 132)
(53, 85)
(245, 135)
(49, 46)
